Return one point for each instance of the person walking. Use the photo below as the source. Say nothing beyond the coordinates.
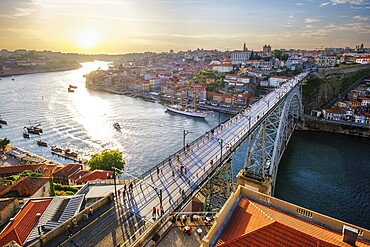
(162, 210)
(69, 231)
(154, 213)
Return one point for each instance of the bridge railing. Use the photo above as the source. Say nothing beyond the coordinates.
(199, 139)
(181, 150)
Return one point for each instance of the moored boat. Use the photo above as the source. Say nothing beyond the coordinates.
(34, 130)
(187, 112)
(56, 149)
(26, 135)
(2, 121)
(41, 143)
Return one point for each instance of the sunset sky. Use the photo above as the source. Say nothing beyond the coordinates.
(124, 26)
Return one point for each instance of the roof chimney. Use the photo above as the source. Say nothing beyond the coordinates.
(349, 235)
(38, 215)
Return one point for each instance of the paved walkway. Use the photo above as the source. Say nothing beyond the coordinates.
(176, 183)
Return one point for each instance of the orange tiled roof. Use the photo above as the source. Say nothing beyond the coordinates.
(48, 170)
(333, 110)
(78, 174)
(23, 223)
(255, 224)
(24, 187)
(18, 168)
(94, 175)
(68, 170)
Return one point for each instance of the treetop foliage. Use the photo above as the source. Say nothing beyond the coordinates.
(107, 160)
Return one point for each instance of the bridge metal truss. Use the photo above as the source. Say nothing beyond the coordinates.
(267, 142)
(219, 187)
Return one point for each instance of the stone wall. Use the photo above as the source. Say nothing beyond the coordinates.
(331, 126)
(342, 72)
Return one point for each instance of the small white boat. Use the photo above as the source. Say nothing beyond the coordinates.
(117, 126)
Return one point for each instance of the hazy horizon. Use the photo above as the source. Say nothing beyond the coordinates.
(116, 27)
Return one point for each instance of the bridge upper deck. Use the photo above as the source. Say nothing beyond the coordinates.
(178, 183)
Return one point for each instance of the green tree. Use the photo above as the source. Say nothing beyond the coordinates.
(52, 190)
(277, 53)
(284, 57)
(107, 160)
(3, 143)
(25, 173)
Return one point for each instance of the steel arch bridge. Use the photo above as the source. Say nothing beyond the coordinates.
(267, 142)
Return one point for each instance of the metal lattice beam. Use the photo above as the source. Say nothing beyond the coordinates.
(219, 188)
(268, 141)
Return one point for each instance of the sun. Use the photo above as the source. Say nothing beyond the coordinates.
(88, 39)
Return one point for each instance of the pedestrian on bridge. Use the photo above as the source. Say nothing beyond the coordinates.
(162, 210)
(69, 231)
(130, 187)
(154, 213)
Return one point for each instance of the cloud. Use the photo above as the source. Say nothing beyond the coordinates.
(356, 2)
(309, 20)
(309, 26)
(324, 4)
(23, 12)
(299, 4)
(336, 2)
(326, 31)
(361, 18)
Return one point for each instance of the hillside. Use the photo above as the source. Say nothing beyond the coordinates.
(329, 83)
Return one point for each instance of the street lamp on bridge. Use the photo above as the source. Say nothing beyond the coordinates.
(221, 142)
(157, 190)
(183, 140)
(249, 121)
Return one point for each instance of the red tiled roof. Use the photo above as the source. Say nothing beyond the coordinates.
(256, 224)
(363, 98)
(78, 174)
(94, 175)
(68, 169)
(48, 170)
(23, 223)
(276, 234)
(24, 187)
(333, 110)
(18, 168)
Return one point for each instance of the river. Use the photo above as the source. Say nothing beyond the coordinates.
(323, 172)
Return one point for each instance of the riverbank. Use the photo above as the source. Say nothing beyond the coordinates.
(15, 155)
(36, 71)
(342, 127)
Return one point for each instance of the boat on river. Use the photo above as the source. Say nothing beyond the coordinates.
(2, 121)
(41, 143)
(26, 135)
(34, 129)
(117, 126)
(187, 112)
